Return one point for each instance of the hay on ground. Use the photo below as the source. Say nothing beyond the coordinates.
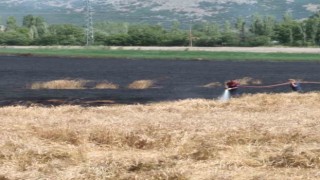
(60, 84)
(261, 136)
(141, 84)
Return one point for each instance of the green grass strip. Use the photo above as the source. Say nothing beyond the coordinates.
(170, 55)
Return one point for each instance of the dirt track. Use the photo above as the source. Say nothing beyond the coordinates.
(230, 49)
(312, 50)
(174, 79)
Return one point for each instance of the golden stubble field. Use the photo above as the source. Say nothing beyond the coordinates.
(262, 136)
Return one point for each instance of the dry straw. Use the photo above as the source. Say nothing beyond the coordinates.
(242, 81)
(141, 84)
(60, 84)
(262, 136)
(249, 81)
(213, 85)
(73, 84)
(106, 85)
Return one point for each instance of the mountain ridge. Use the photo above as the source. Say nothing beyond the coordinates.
(157, 11)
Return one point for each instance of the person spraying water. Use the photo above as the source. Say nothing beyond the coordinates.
(231, 89)
(232, 86)
(295, 85)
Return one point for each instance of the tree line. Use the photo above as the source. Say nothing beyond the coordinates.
(257, 31)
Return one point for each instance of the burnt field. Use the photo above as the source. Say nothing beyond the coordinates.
(172, 79)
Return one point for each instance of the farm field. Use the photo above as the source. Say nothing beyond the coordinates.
(261, 136)
(43, 79)
(78, 118)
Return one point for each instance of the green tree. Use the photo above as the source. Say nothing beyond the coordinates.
(290, 32)
(241, 29)
(146, 35)
(175, 36)
(104, 31)
(206, 34)
(312, 26)
(110, 28)
(302, 26)
(14, 38)
(67, 34)
(257, 25)
(118, 40)
(269, 24)
(14, 35)
(37, 26)
(263, 26)
(229, 36)
(11, 24)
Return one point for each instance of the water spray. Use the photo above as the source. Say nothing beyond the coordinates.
(225, 96)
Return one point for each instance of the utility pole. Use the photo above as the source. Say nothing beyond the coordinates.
(190, 36)
(89, 24)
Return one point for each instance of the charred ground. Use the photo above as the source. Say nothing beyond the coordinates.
(173, 79)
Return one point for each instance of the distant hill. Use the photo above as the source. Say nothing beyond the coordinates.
(156, 11)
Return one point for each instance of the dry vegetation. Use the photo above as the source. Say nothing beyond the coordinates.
(73, 84)
(87, 84)
(106, 85)
(213, 85)
(252, 137)
(242, 81)
(141, 84)
(60, 84)
(249, 81)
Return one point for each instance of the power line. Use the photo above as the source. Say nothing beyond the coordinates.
(89, 24)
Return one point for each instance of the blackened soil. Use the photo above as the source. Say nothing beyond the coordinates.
(175, 79)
